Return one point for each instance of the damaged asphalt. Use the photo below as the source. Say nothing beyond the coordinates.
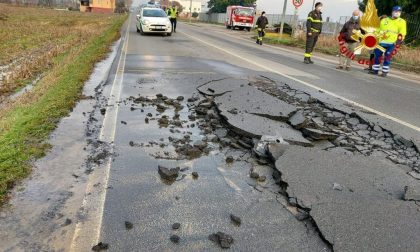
(211, 156)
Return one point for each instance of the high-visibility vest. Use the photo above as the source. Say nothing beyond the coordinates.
(392, 28)
(172, 12)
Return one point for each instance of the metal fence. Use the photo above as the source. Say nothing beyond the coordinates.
(330, 28)
(413, 28)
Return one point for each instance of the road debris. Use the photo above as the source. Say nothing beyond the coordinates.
(168, 174)
(224, 240)
(100, 246)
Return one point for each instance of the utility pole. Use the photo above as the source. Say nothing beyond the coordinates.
(283, 16)
(190, 10)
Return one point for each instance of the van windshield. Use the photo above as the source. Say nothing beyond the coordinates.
(244, 12)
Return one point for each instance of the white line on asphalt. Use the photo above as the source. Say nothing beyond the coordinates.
(87, 232)
(316, 57)
(409, 125)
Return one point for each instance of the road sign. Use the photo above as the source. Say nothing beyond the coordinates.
(297, 3)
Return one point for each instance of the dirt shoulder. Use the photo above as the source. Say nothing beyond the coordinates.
(77, 41)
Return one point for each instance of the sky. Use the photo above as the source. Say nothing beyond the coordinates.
(331, 8)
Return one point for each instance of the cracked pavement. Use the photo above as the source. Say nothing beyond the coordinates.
(303, 171)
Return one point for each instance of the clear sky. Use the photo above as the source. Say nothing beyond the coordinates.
(332, 8)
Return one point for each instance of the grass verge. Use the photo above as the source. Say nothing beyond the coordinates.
(26, 123)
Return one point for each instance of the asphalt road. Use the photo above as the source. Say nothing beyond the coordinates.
(175, 66)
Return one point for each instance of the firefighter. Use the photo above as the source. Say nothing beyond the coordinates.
(313, 29)
(394, 29)
(262, 23)
(172, 14)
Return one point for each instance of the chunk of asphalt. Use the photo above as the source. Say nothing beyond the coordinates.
(176, 226)
(100, 246)
(276, 150)
(338, 187)
(254, 175)
(229, 159)
(168, 174)
(253, 101)
(236, 220)
(363, 218)
(319, 134)
(411, 194)
(254, 126)
(128, 225)
(194, 175)
(103, 111)
(298, 120)
(175, 238)
(224, 240)
(414, 174)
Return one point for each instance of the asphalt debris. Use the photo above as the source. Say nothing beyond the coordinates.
(168, 174)
(175, 238)
(224, 240)
(176, 226)
(100, 246)
(236, 220)
(128, 225)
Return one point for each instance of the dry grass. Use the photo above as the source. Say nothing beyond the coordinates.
(66, 57)
(408, 58)
(30, 39)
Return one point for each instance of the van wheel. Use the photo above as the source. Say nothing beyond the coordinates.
(169, 34)
(248, 29)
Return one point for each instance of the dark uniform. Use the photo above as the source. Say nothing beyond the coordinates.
(172, 13)
(262, 23)
(314, 26)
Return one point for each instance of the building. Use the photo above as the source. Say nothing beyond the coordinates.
(195, 6)
(99, 6)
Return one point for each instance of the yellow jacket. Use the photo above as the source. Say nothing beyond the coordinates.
(172, 12)
(392, 28)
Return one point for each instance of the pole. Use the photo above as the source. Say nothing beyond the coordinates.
(283, 17)
(295, 22)
(190, 10)
(313, 4)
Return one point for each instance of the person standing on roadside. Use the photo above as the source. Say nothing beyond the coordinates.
(346, 33)
(313, 29)
(262, 23)
(395, 30)
(372, 52)
(172, 14)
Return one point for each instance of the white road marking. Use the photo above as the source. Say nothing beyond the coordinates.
(409, 125)
(87, 232)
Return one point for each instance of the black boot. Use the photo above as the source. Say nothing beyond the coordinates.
(260, 42)
(306, 60)
(384, 74)
(310, 61)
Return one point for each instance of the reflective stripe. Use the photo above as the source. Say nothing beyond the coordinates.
(314, 20)
(376, 67)
(385, 67)
(259, 29)
(385, 70)
(308, 55)
(315, 30)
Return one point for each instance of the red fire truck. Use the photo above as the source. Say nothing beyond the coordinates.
(239, 17)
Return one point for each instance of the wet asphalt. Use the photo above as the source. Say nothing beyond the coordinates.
(138, 195)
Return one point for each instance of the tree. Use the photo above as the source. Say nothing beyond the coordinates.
(168, 3)
(219, 6)
(385, 6)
